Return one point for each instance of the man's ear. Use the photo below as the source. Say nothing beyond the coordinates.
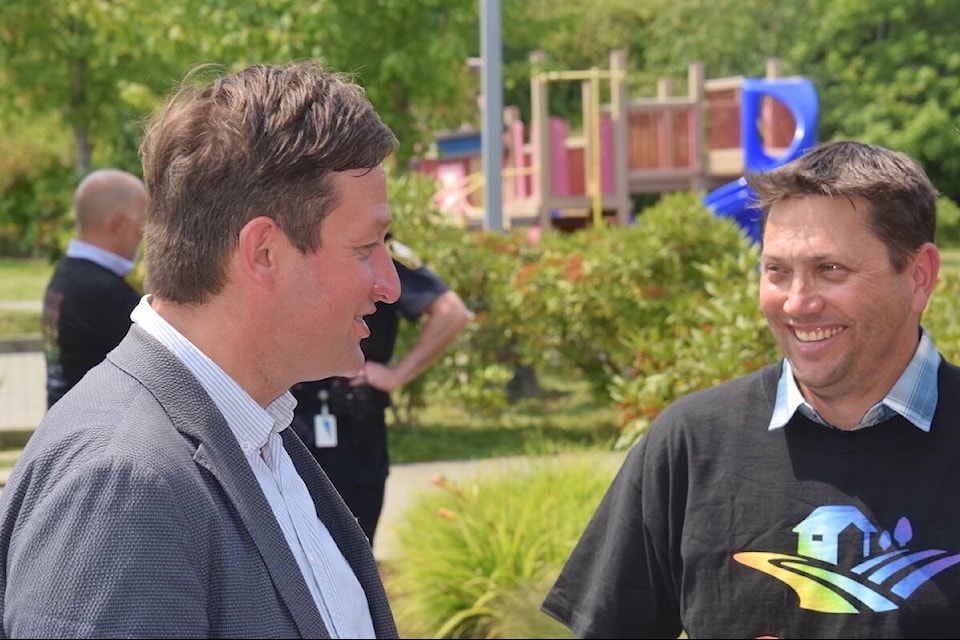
(258, 250)
(117, 220)
(926, 270)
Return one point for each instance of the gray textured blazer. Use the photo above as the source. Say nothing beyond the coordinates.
(132, 512)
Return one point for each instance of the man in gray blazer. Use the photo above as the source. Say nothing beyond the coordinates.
(165, 495)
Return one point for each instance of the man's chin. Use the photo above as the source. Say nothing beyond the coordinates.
(344, 370)
(351, 367)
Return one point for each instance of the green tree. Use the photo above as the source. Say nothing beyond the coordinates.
(411, 57)
(237, 34)
(103, 65)
(575, 35)
(730, 37)
(95, 64)
(888, 72)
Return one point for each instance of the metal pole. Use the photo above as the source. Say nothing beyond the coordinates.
(492, 132)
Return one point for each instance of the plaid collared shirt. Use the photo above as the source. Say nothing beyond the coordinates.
(914, 396)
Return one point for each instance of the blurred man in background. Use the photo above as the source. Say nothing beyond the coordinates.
(87, 304)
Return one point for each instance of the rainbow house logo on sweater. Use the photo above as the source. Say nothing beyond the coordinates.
(846, 564)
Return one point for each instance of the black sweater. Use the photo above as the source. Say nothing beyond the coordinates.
(722, 528)
(86, 312)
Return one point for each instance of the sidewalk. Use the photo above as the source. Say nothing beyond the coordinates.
(23, 398)
(22, 390)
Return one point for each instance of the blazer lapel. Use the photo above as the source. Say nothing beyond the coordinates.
(346, 531)
(195, 415)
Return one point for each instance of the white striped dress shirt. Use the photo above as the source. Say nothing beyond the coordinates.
(334, 586)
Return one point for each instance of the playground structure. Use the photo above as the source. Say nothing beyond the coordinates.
(700, 142)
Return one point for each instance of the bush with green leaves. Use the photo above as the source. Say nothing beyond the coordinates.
(476, 559)
(475, 370)
(593, 288)
(721, 337)
(569, 300)
(35, 191)
(645, 313)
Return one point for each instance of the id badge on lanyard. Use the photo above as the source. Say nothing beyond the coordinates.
(324, 426)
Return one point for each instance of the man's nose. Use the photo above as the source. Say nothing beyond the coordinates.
(802, 298)
(386, 287)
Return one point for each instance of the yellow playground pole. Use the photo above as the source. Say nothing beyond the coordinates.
(597, 189)
(593, 76)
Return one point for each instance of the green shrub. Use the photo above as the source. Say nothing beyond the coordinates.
(569, 300)
(473, 371)
(721, 337)
(35, 193)
(586, 290)
(475, 560)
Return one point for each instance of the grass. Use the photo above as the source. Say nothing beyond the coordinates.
(565, 417)
(19, 322)
(8, 458)
(23, 279)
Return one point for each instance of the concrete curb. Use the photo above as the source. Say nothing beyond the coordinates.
(21, 344)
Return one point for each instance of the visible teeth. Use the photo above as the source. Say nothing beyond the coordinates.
(815, 336)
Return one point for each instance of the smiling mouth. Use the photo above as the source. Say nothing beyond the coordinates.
(817, 335)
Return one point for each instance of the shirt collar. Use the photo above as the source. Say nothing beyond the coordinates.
(106, 259)
(251, 424)
(914, 395)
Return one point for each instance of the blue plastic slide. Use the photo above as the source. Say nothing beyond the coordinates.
(735, 199)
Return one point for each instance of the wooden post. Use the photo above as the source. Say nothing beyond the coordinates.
(665, 133)
(696, 89)
(590, 95)
(773, 68)
(514, 161)
(540, 132)
(664, 88)
(772, 113)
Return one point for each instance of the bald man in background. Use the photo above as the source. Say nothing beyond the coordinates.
(87, 304)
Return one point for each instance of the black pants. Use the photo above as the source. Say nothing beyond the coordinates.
(365, 501)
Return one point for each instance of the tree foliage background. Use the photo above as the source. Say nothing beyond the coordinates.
(77, 76)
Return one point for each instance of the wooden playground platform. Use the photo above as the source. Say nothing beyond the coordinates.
(631, 146)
